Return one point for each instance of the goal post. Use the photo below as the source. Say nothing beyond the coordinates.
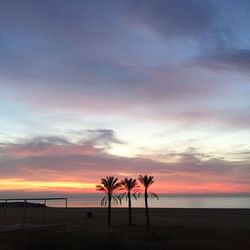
(23, 204)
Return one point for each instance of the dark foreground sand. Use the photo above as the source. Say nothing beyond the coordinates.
(173, 229)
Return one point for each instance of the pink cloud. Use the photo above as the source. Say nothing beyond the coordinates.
(72, 162)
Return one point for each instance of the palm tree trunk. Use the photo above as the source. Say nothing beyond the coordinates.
(109, 210)
(129, 209)
(146, 208)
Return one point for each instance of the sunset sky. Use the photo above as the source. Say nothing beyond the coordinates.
(98, 87)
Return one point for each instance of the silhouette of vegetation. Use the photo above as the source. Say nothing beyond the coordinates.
(147, 181)
(110, 186)
(131, 187)
(21, 204)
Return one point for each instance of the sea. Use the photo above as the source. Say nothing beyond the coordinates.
(164, 201)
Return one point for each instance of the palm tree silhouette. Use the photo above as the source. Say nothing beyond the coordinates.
(130, 187)
(110, 186)
(146, 181)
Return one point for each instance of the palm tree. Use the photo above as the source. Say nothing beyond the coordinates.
(130, 187)
(146, 181)
(110, 186)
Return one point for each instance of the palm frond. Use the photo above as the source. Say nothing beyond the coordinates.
(100, 188)
(110, 186)
(129, 185)
(154, 195)
(136, 196)
(116, 199)
(146, 180)
(104, 201)
(122, 195)
(116, 187)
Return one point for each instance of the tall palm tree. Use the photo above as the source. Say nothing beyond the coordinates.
(146, 181)
(110, 186)
(130, 187)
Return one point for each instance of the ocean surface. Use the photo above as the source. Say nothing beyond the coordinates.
(165, 201)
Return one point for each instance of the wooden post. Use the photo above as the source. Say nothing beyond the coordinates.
(66, 208)
(44, 211)
(24, 213)
(5, 213)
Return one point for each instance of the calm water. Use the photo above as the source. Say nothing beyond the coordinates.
(165, 201)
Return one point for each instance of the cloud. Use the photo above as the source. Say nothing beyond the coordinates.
(93, 142)
(64, 161)
(174, 18)
(227, 59)
(180, 64)
(103, 136)
(91, 57)
(221, 38)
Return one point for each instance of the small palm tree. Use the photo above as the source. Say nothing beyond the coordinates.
(130, 187)
(146, 181)
(110, 186)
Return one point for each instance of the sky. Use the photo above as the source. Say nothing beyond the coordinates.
(92, 88)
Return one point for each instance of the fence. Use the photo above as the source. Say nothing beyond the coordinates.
(22, 213)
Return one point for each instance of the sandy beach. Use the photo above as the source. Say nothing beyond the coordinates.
(170, 229)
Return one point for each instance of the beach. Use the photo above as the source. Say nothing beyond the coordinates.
(86, 228)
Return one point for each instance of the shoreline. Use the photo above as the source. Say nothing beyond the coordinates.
(164, 202)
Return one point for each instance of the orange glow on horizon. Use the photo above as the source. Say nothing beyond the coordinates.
(19, 184)
(199, 188)
(172, 187)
